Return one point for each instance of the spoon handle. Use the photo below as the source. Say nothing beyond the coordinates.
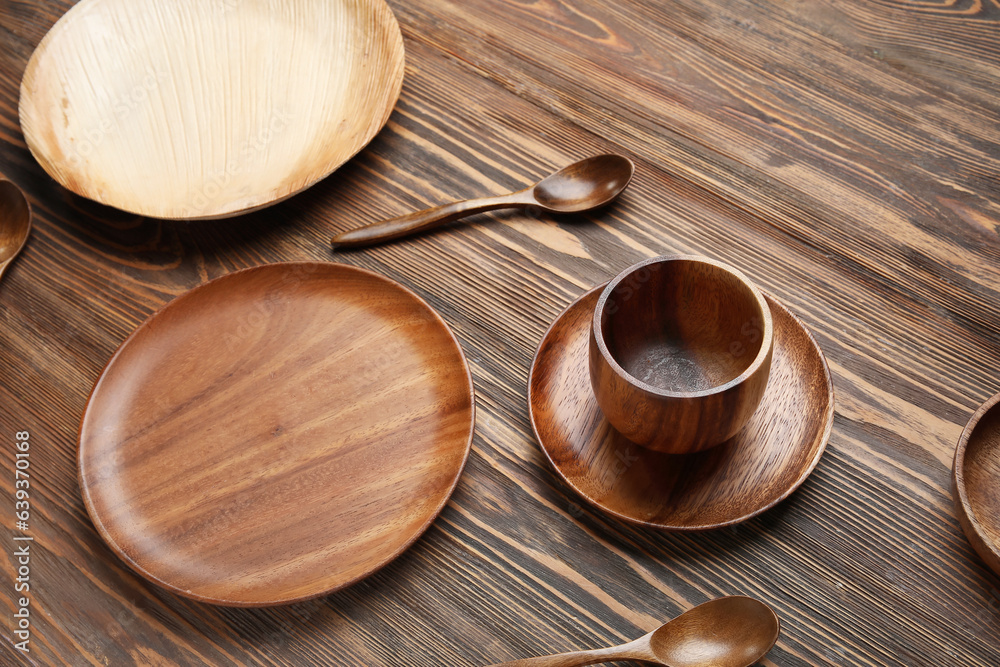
(580, 658)
(411, 223)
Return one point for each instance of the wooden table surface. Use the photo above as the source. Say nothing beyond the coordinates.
(844, 154)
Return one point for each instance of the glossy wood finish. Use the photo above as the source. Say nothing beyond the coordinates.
(208, 108)
(576, 188)
(276, 434)
(725, 485)
(679, 353)
(976, 481)
(843, 154)
(15, 223)
(734, 631)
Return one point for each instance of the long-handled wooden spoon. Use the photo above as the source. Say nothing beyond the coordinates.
(15, 223)
(728, 632)
(581, 186)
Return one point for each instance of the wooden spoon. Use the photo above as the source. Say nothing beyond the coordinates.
(15, 223)
(581, 186)
(728, 632)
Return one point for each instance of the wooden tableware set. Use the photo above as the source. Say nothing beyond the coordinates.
(677, 396)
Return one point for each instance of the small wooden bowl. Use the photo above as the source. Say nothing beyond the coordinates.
(194, 109)
(976, 477)
(680, 351)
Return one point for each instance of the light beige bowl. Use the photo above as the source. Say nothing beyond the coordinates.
(195, 109)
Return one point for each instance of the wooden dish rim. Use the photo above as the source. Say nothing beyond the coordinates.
(762, 356)
(971, 525)
(386, 560)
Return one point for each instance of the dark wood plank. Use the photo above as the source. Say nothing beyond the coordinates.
(845, 155)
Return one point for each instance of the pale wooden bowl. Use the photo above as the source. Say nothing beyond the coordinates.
(196, 109)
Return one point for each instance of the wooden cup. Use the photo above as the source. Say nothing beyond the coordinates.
(680, 351)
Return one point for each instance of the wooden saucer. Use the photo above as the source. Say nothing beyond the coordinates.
(276, 434)
(976, 477)
(732, 482)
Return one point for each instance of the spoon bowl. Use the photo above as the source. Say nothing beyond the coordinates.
(15, 223)
(734, 631)
(584, 185)
(728, 632)
(581, 186)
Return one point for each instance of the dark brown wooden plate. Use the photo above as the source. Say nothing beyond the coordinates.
(276, 434)
(976, 477)
(732, 482)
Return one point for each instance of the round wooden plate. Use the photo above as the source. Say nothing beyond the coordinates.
(976, 477)
(276, 434)
(194, 109)
(724, 485)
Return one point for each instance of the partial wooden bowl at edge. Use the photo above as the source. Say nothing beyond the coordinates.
(195, 109)
(976, 479)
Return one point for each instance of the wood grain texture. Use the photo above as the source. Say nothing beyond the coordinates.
(679, 354)
(197, 110)
(725, 485)
(843, 154)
